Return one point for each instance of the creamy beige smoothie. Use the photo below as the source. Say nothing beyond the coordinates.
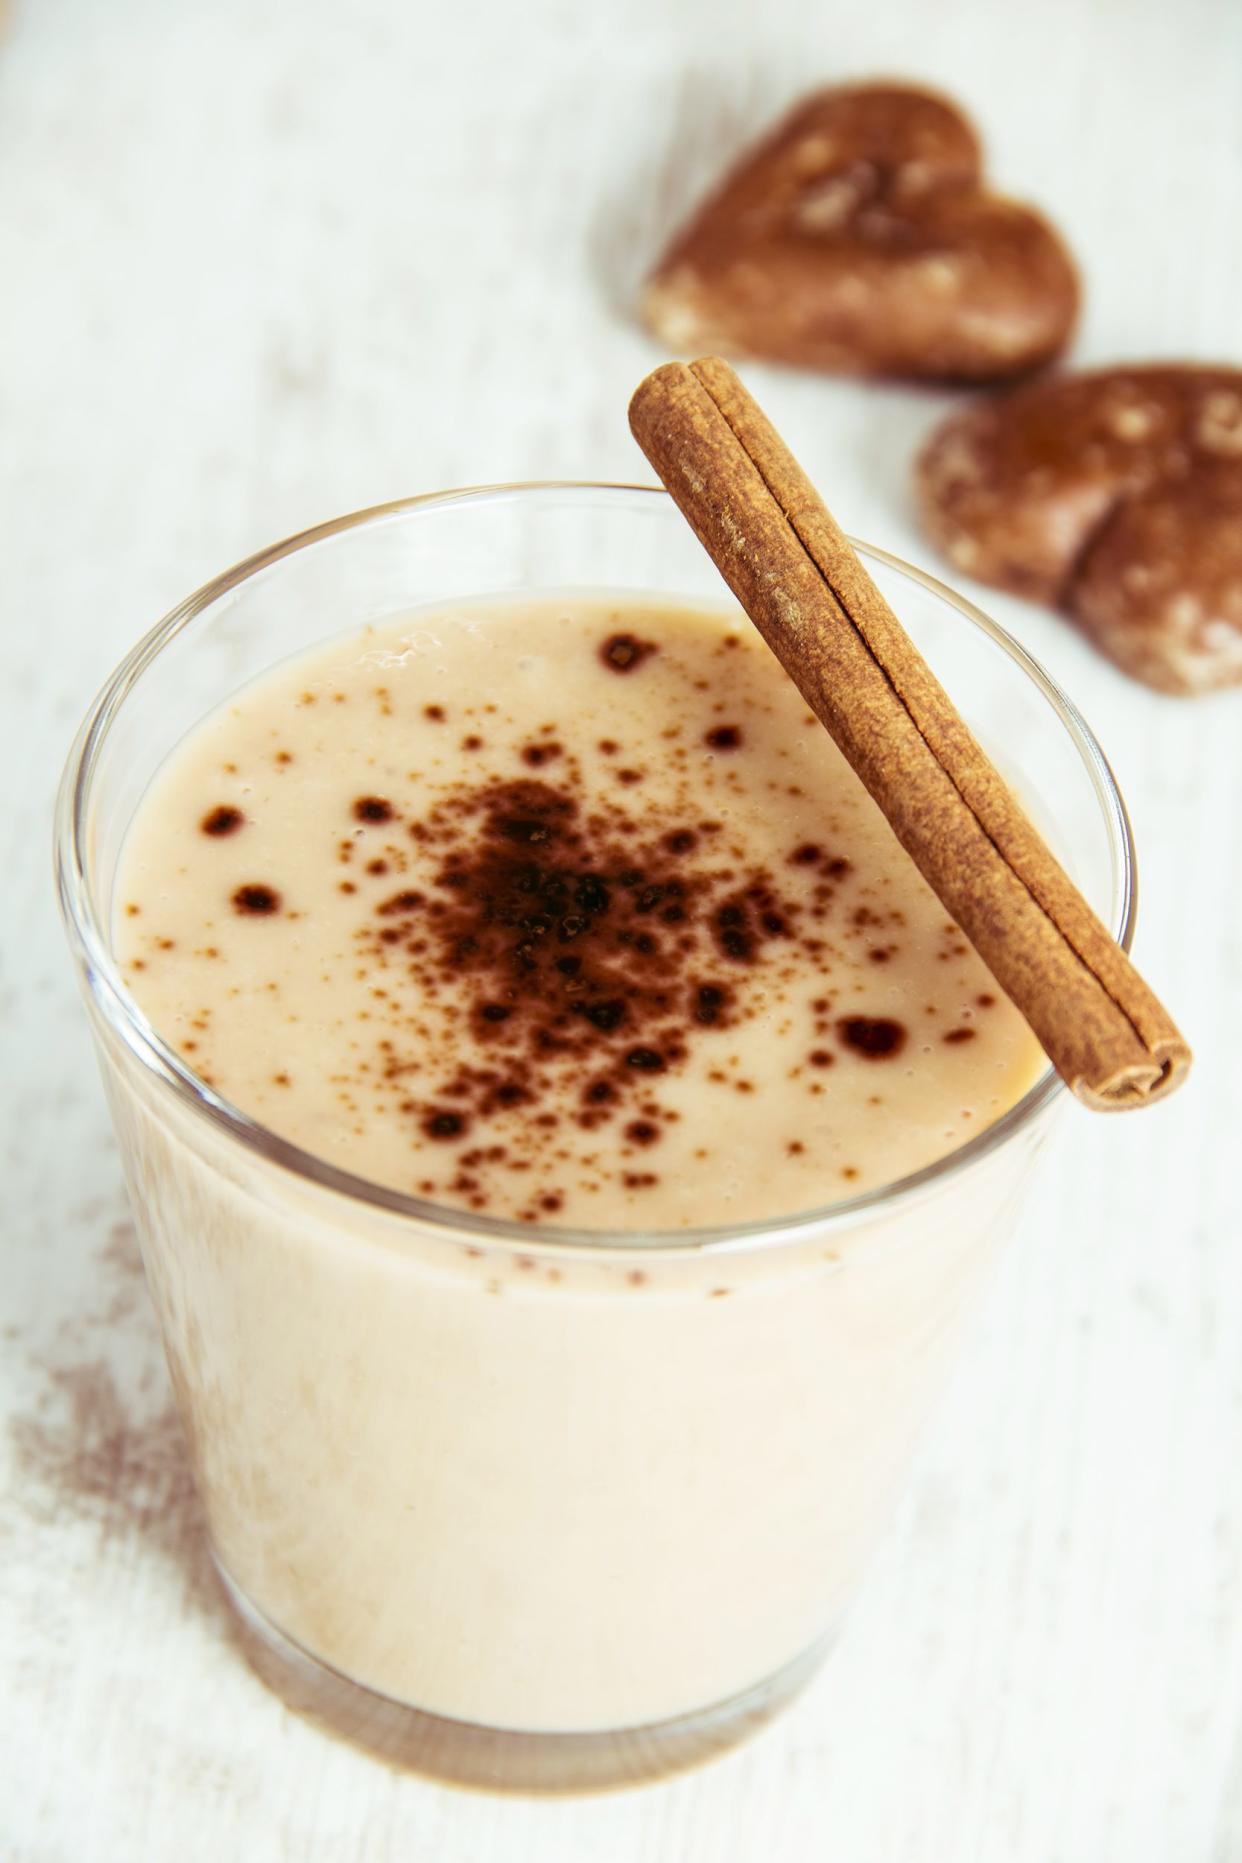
(565, 912)
(570, 913)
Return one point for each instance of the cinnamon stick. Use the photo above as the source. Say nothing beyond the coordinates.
(796, 575)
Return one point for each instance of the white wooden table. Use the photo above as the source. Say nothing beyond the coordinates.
(262, 264)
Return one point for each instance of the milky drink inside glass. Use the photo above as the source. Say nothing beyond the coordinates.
(562, 914)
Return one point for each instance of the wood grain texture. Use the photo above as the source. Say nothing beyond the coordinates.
(261, 268)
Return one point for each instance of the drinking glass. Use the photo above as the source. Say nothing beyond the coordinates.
(536, 1507)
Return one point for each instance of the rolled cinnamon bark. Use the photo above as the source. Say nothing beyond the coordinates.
(802, 584)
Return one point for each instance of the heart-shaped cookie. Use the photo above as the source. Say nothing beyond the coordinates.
(858, 238)
(1115, 495)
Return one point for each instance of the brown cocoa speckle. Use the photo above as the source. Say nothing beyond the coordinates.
(536, 755)
(373, 809)
(957, 1036)
(222, 820)
(625, 653)
(723, 737)
(255, 900)
(876, 1038)
(711, 1004)
(646, 1060)
(406, 901)
(443, 1124)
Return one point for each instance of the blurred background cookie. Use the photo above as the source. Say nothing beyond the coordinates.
(1114, 495)
(859, 237)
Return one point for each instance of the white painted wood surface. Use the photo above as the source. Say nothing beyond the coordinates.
(261, 264)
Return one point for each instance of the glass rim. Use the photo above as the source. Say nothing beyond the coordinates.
(92, 950)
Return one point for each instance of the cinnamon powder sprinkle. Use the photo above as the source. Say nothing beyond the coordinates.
(221, 821)
(625, 653)
(256, 901)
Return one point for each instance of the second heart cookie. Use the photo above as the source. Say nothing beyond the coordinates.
(858, 238)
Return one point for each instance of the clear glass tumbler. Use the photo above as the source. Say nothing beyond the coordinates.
(537, 1508)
